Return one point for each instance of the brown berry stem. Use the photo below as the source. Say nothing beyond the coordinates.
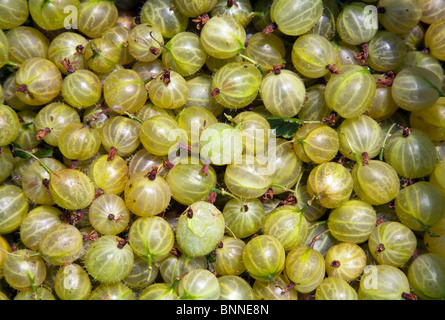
(90, 236)
(406, 132)
(290, 286)
(230, 3)
(121, 243)
(270, 28)
(214, 93)
(201, 20)
(276, 69)
(41, 133)
(380, 249)
(98, 193)
(409, 296)
(365, 157)
(331, 119)
(174, 251)
(151, 175)
(154, 51)
(80, 49)
(168, 165)
(332, 69)
(24, 89)
(387, 81)
(211, 197)
(314, 239)
(268, 195)
(68, 66)
(379, 221)
(290, 200)
(112, 154)
(165, 77)
(362, 56)
(335, 264)
(205, 168)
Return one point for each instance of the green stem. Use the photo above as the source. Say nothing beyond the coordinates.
(150, 268)
(289, 141)
(298, 181)
(36, 255)
(354, 153)
(259, 13)
(309, 202)
(149, 262)
(186, 262)
(272, 280)
(293, 120)
(253, 62)
(302, 210)
(231, 230)
(27, 125)
(174, 284)
(382, 150)
(43, 4)
(9, 253)
(434, 87)
(33, 283)
(97, 53)
(230, 118)
(12, 64)
(153, 78)
(281, 187)
(319, 223)
(44, 166)
(225, 193)
(132, 116)
(187, 296)
(431, 234)
(159, 42)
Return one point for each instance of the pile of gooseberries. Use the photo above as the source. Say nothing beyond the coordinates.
(222, 150)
